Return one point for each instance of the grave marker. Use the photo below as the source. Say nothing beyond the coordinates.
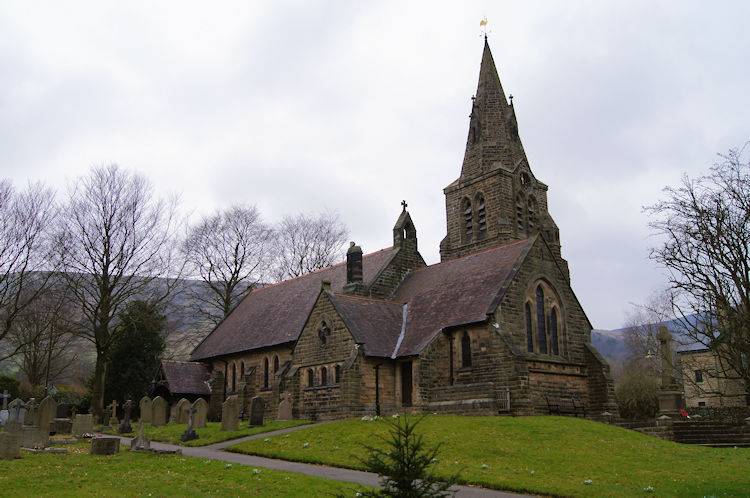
(125, 426)
(46, 413)
(10, 445)
(83, 424)
(105, 446)
(201, 413)
(140, 442)
(230, 414)
(285, 407)
(181, 416)
(257, 406)
(158, 412)
(145, 406)
(189, 433)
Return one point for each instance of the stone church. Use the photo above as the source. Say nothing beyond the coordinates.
(493, 328)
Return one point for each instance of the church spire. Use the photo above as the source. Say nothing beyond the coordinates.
(493, 132)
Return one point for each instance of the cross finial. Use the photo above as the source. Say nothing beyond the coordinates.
(404, 204)
(511, 98)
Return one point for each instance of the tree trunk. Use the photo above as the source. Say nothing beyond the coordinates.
(97, 396)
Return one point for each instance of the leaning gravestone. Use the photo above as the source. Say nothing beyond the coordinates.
(10, 445)
(230, 414)
(140, 443)
(201, 413)
(256, 411)
(159, 412)
(83, 424)
(105, 446)
(46, 413)
(145, 406)
(181, 415)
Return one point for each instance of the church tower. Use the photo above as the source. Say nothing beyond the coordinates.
(497, 199)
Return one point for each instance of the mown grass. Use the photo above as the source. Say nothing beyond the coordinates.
(139, 474)
(210, 434)
(545, 455)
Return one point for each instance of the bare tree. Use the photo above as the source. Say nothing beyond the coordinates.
(116, 244)
(706, 226)
(228, 251)
(43, 337)
(304, 244)
(25, 268)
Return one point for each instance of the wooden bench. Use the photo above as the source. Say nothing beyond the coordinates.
(565, 406)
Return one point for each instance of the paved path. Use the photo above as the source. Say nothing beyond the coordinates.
(215, 452)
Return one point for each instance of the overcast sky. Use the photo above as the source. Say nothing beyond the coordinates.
(353, 106)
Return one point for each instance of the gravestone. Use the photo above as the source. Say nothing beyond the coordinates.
(30, 417)
(63, 410)
(113, 417)
(46, 413)
(61, 426)
(83, 424)
(257, 406)
(285, 407)
(158, 412)
(181, 415)
(230, 414)
(125, 425)
(17, 411)
(105, 446)
(4, 414)
(140, 442)
(10, 445)
(189, 433)
(145, 406)
(201, 413)
(34, 437)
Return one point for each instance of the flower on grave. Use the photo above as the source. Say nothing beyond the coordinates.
(228, 466)
(286, 435)
(395, 415)
(336, 448)
(287, 478)
(485, 466)
(434, 460)
(648, 489)
(306, 445)
(206, 462)
(267, 440)
(256, 471)
(366, 418)
(533, 472)
(587, 482)
(358, 494)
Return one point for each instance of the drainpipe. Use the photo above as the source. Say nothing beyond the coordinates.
(377, 388)
(450, 355)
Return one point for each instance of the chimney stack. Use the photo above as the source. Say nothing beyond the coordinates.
(353, 264)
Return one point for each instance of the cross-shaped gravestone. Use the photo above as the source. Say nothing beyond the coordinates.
(5, 397)
(125, 426)
(189, 434)
(113, 406)
(30, 410)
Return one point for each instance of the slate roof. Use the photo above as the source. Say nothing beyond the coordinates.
(455, 292)
(373, 322)
(185, 377)
(275, 314)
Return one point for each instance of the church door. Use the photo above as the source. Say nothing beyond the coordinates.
(406, 383)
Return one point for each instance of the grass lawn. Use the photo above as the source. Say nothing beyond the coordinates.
(138, 474)
(210, 434)
(546, 455)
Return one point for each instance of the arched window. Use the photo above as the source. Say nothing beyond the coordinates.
(540, 321)
(337, 371)
(324, 332)
(234, 377)
(481, 217)
(242, 370)
(323, 376)
(265, 373)
(531, 205)
(465, 350)
(519, 213)
(553, 331)
(529, 329)
(310, 377)
(275, 365)
(468, 219)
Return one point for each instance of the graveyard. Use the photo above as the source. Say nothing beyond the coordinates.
(46, 454)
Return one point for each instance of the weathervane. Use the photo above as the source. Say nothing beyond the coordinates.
(483, 25)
